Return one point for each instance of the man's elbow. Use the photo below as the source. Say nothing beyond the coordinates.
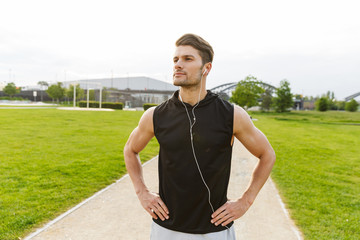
(268, 157)
(271, 157)
(128, 153)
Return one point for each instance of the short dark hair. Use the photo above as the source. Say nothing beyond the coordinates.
(205, 50)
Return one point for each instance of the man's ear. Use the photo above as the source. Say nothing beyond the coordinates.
(207, 67)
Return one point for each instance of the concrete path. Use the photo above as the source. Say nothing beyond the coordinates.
(115, 212)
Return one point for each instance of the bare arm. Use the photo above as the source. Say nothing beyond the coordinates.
(256, 142)
(137, 141)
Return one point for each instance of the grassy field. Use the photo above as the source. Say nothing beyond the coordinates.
(50, 160)
(26, 106)
(318, 169)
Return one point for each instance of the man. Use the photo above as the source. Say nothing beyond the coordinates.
(195, 130)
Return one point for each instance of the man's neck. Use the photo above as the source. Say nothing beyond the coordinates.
(191, 95)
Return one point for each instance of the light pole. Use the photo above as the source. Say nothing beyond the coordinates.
(74, 95)
(88, 96)
(34, 94)
(100, 96)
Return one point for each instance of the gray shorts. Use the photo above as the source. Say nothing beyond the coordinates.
(160, 233)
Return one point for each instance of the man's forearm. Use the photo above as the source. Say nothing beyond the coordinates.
(135, 171)
(233, 210)
(151, 202)
(260, 175)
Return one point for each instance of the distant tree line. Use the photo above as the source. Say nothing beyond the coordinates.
(55, 91)
(249, 92)
(252, 92)
(328, 102)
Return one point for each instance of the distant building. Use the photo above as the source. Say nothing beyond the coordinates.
(34, 88)
(298, 104)
(125, 83)
(132, 91)
(309, 104)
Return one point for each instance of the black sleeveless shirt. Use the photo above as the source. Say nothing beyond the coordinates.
(180, 184)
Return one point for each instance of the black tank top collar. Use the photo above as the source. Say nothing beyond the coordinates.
(209, 98)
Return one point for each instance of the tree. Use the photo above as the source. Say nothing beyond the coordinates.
(352, 106)
(91, 95)
(340, 105)
(298, 96)
(43, 84)
(105, 94)
(322, 104)
(283, 100)
(247, 92)
(56, 91)
(79, 92)
(11, 89)
(266, 97)
(326, 102)
(309, 98)
(331, 100)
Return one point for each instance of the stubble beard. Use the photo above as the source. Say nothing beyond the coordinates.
(186, 82)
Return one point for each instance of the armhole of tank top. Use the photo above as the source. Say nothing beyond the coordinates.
(233, 123)
(154, 121)
(232, 141)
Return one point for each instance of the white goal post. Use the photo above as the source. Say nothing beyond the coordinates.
(97, 85)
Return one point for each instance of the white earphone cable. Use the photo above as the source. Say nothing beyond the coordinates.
(192, 142)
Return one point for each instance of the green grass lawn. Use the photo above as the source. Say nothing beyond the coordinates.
(318, 169)
(25, 106)
(50, 160)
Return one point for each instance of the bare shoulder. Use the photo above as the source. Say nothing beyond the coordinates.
(242, 120)
(142, 134)
(249, 135)
(146, 120)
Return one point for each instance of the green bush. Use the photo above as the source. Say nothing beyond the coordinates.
(340, 105)
(111, 105)
(12, 98)
(351, 106)
(146, 106)
(93, 104)
(18, 98)
(322, 104)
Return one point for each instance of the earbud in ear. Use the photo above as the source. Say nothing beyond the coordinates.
(204, 72)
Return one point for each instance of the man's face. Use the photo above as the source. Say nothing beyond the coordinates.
(187, 66)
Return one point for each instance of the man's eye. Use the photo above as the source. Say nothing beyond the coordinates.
(188, 59)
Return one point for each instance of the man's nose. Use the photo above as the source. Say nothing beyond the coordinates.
(178, 65)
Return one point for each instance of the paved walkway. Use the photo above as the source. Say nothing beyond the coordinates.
(115, 212)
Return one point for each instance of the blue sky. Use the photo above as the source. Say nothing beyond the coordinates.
(313, 44)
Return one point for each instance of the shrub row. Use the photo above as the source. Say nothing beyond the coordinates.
(93, 104)
(12, 98)
(146, 106)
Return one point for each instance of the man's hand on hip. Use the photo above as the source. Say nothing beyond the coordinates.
(230, 211)
(153, 204)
